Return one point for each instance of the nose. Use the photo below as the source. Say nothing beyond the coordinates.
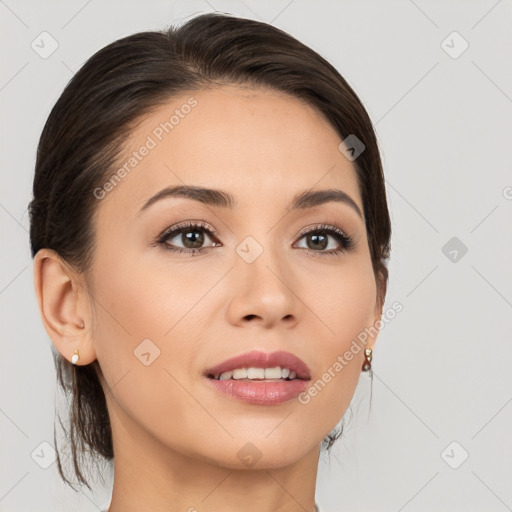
(262, 292)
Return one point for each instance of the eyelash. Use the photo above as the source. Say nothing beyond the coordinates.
(346, 242)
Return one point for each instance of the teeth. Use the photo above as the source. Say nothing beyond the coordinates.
(240, 373)
(258, 373)
(273, 373)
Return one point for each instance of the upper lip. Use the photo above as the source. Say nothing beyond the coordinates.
(259, 359)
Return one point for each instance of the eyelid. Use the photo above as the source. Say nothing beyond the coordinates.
(322, 226)
(188, 224)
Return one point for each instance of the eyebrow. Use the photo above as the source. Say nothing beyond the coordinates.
(222, 199)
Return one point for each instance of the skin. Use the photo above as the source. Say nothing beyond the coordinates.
(175, 439)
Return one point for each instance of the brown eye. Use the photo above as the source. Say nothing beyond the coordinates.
(190, 239)
(191, 236)
(317, 240)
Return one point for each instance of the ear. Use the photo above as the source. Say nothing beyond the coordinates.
(63, 304)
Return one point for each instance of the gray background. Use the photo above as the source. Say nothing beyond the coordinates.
(442, 366)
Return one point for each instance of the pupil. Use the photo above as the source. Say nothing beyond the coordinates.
(195, 238)
(323, 243)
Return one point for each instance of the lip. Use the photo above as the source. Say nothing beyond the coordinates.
(261, 392)
(259, 359)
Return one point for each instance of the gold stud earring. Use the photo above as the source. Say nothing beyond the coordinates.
(367, 365)
(75, 357)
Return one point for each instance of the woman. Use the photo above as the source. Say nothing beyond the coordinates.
(210, 236)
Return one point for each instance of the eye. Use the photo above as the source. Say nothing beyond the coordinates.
(317, 239)
(190, 234)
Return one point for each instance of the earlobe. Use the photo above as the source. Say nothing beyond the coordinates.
(60, 298)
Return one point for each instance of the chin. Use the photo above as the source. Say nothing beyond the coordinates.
(258, 452)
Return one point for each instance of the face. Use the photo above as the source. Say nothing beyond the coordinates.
(256, 282)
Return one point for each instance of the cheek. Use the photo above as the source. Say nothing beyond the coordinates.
(136, 305)
(344, 300)
(141, 298)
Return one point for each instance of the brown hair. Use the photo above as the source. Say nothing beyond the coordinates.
(83, 138)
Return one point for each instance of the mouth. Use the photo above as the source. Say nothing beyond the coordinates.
(261, 379)
(276, 374)
(260, 366)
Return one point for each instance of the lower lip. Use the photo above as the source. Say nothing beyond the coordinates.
(260, 392)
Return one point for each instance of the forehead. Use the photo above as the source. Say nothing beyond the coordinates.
(260, 145)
